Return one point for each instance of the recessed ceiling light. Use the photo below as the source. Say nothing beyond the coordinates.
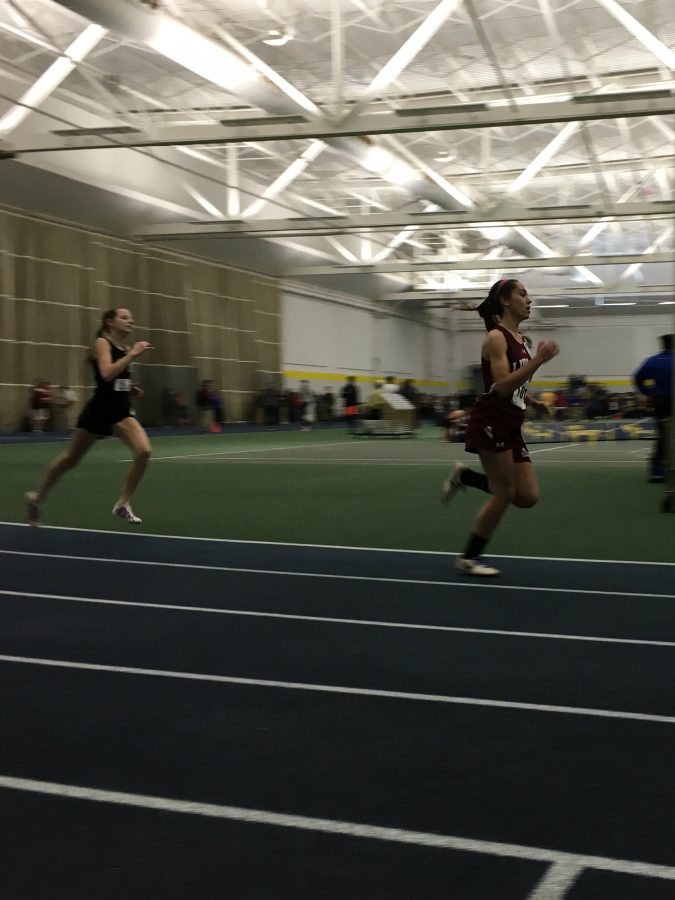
(276, 38)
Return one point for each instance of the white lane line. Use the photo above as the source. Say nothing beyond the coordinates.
(335, 576)
(373, 623)
(339, 547)
(244, 450)
(341, 689)
(556, 447)
(557, 881)
(336, 826)
(384, 461)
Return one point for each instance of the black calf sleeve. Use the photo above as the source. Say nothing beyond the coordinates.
(475, 479)
(475, 546)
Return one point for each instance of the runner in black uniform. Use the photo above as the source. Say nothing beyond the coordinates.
(493, 431)
(109, 411)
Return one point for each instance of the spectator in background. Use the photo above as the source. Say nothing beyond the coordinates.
(412, 395)
(350, 402)
(548, 398)
(40, 404)
(376, 401)
(328, 405)
(203, 401)
(63, 408)
(305, 405)
(654, 379)
(166, 406)
(211, 407)
(269, 400)
(181, 410)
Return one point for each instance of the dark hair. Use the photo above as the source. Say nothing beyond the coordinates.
(491, 310)
(667, 342)
(105, 318)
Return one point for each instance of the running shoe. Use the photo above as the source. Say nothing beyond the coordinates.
(34, 510)
(124, 511)
(475, 567)
(452, 484)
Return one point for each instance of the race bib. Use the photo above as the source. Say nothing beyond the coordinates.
(122, 384)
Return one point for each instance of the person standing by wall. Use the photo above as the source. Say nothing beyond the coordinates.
(109, 411)
(654, 379)
(350, 402)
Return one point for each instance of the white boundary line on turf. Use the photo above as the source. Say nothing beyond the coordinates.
(244, 450)
(388, 461)
(335, 826)
(331, 620)
(592, 712)
(186, 537)
(337, 576)
(352, 829)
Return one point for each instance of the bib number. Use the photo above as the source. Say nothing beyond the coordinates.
(518, 397)
(122, 384)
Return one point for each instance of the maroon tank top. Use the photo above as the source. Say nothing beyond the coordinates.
(510, 410)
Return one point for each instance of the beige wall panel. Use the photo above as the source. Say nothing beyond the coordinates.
(9, 365)
(77, 275)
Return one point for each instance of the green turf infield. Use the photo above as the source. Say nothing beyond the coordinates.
(325, 487)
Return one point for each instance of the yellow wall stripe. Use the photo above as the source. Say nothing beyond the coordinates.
(363, 379)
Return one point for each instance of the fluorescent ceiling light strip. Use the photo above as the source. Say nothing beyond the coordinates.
(646, 38)
(200, 54)
(47, 83)
(320, 206)
(342, 250)
(600, 226)
(27, 36)
(532, 239)
(303, 248)
(203, 202)
(588, 275)
(552, 306)
(400, 238)
(296, 168)
(409, 50)
(621, 303)
(542, 158)
(632, 269)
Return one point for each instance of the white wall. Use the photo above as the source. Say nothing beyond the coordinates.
(327, 336)
(603, 348)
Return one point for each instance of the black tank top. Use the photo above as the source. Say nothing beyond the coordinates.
(117, 391)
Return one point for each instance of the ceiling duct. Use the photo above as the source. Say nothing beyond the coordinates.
(215, 63)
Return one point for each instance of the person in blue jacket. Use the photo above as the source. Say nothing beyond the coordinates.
(654, 379)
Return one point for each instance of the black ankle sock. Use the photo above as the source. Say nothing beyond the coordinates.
(475, 546)
(474, 479)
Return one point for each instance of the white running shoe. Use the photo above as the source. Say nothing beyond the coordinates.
(452, 484)
(475, 567)
(124, 511)
(34, 510)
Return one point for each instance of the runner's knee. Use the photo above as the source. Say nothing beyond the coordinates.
(525, 500)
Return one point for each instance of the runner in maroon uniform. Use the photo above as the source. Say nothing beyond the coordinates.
(494, 425)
